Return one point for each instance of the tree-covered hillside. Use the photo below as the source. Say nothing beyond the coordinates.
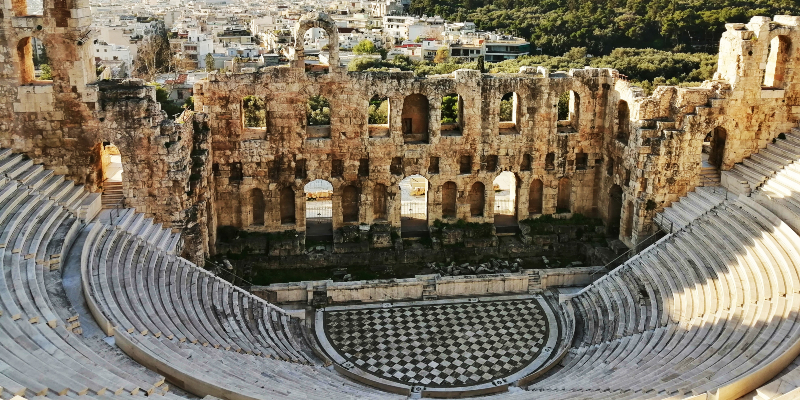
(603, 25)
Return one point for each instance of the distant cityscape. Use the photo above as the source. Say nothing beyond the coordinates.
(245, 36)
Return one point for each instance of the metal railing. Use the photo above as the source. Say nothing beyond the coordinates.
(638, 248)
(218, 269)
(115, 211)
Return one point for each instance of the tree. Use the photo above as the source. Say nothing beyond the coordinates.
(154, 55)
(379, 111)
(210, 62)
(167, 105)
(255, 111)
(318, 111)
(450, 109)
(365, 47)
(480, 66)
(442, 55)
(189, 103)
(362, 64)
(47, 72)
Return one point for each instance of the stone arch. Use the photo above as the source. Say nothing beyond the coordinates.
(257, 206)
(614, 211)
(316, 20)
(477, 199)
(564, 194)
(623, 122)
(350, 203)
(414, 118)
(535, 197)
(775, 71)
(379, 195)
(451, 114)
(449, 196)
(510, 106)
(287, 206)
(627, 229)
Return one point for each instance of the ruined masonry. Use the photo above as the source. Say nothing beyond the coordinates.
(618, 155)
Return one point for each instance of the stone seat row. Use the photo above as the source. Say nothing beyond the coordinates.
(177, 300)
(727, 287)
(689, 208)
(754, 171)
(39, 354)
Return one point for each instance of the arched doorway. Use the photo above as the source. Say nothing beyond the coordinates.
(505, 201)
(477, 199)
(110, 175)
(614, 210)
(319, 210)
(535, 197)
(414, 204)
(564, 192)
(714, 147)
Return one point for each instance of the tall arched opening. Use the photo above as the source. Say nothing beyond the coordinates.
(477, 199)
(379, 208)
(318, 117)
(535, 197)
(505, 202)
(449, 197)
(775, 71)
(287, 206)
(563, 198)
(509, 114)
(614, 211)
(33, 62)
(414, 204)
(451, 115)
(257, 207)
(414, 119)
(319, 210)
(378, 116)
(110, 175)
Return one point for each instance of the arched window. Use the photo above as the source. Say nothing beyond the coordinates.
(378, 116)
(379, 202)
(449, 195)
(774, 74)
(350, 204)
(258, 206)
(316, 49)
(623, 122)
(509, 114)
(451, 113)
(569, 110)
(287, 206)
(318, 117)
(535, 197)
(550, 161)
(415, 119)
(527, 163)
(564, 192)
(33, 62)
(477, 199)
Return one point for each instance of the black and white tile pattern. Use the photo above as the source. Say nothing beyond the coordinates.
(440, 344)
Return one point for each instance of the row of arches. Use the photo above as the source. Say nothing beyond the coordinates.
(415, 200)
(414, 116)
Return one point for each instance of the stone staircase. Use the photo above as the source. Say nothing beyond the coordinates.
(690, 207)
(429, 289)
(709, 176)
(749, 175)
(112, 194)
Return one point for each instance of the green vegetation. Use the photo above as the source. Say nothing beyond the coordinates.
(507, 107)
(47, 72)
(255, 112)
(379, 110)
(167, 105)
(209, 62)
(318, 111)
(602, 25)
(365, 47)
(450, 109)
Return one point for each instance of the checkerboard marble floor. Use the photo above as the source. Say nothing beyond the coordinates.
(440, 344)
